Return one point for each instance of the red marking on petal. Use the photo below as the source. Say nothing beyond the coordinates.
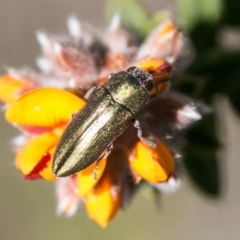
(42, 164)
(165, 67)
(34, 129)
(32, 176)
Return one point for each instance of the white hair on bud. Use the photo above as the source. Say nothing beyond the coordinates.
(114, 191)
(14, 73)
(63, 205)
(115, 22)
(68, 200)
(171, 186)
(57, 47)
(43, 39)
(74, 27)
(19, 140)
(43, 64)
(72, 83)
(187, 115)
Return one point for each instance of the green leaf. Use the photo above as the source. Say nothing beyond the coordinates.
(201, 20)
(200, 156)
(231, 11)
(134, 15)
(221, 73)
(191, 85)
(192, 13)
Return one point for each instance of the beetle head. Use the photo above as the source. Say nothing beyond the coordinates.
(160, 70)
(144, 77)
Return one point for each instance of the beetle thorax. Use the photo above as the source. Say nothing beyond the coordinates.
(127, 90)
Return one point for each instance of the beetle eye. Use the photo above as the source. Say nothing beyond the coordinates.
(149, 85)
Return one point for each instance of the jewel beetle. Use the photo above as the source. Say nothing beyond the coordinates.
(107, 113)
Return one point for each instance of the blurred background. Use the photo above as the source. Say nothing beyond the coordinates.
(196, 211)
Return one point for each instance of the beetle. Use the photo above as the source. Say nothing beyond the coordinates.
(107, 113)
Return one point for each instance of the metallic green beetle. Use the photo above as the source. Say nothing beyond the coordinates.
(109, 110)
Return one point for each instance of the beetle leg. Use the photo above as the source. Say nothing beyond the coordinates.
(73, 114)
(136, 124)
(89, 93)
(109, 150)
(86, 97)
(95, 171)
(105, 155)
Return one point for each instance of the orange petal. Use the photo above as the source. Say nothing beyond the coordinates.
(153, 165)
(30, 156)
(86, 179)
(11, 88)
(44, 107)
(103, 201)
(46, 173)
(167, 28)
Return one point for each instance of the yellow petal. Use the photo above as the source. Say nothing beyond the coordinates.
(31, 158)
(103, 201)
(153, 165)
(44, 107)
(11, 88)
(86, 179)
(151, 64)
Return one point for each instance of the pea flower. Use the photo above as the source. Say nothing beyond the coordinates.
(41, 105)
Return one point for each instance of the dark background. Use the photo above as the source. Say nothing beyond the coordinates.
(27, 208)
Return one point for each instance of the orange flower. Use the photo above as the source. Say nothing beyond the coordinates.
(41, 106)
(153, 165)
(42, 113)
